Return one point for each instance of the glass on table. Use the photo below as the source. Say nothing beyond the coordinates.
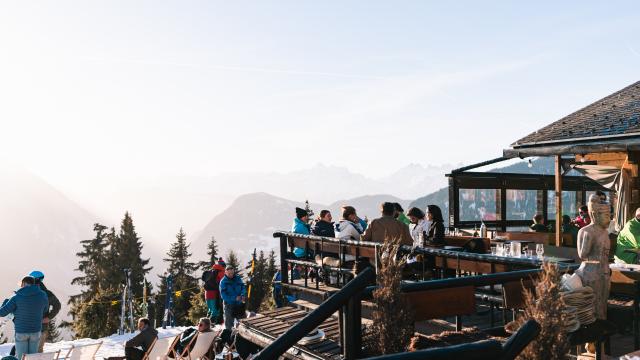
(500, 249)
(507, 249)
(494, 250)
(529, 253)
(540, 250)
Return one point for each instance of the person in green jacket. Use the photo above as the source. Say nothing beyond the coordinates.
(629, 238)
(399, 214)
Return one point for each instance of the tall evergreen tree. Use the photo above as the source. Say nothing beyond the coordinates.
(271, 265)
(128, 251)
(232, 259)
(212, 251)
(258, 281)
(185, 285)
(96, 289)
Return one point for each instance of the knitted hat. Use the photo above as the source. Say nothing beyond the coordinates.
(221, 262)
(301, 213)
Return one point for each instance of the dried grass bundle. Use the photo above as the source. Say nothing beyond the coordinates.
(545, 305)
(393, 325)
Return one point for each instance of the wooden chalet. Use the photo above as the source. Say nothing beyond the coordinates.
(452, 286)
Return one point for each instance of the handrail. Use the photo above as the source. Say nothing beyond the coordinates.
(317, 316)
(289, 234)
(477, 281)
(486, 349)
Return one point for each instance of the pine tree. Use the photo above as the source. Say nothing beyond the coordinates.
(271, 265)
(53, 335)
(232, 260)
(96, 289)
(99, 316)
(268, 302)
(258, 281)
(212, 251)
(198, 307)
(128, 255)
(185, 285)
(307, 207)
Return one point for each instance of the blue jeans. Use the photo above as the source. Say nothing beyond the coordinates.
(27, 343)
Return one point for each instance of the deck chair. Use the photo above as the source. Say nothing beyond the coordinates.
(202, 347)
(41, 356)
(162, 348)
(83, 352)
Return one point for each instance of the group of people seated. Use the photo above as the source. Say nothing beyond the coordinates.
(569, 225)
(416, 228)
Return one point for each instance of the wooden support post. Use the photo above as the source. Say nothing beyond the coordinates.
(558, 189)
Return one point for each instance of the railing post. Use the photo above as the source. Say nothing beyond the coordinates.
(284, 274)
(352, 334)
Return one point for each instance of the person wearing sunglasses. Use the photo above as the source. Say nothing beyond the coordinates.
(204, 326)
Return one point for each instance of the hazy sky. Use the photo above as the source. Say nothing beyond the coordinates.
(118, 89)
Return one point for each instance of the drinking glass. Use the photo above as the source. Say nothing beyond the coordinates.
(494, 250)
(539, 250)
(516, 249)
(500, 249)
(529, 253)
(507, 249)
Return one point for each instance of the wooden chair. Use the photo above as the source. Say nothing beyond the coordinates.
(513, 297)
(162, 348)
(202, 347)
(41, 356)
(625, 292)
(83, 352)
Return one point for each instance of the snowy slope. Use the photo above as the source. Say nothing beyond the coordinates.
(111, 346)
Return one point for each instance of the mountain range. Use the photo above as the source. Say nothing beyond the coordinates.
(42, 229)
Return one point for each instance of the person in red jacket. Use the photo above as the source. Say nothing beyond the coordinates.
(583, 219)
(211, 280)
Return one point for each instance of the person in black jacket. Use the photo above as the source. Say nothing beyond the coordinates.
(52, 310)
(436, 229)
(324, 225)
(135, 348)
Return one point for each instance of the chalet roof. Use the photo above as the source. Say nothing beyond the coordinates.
(615, 116)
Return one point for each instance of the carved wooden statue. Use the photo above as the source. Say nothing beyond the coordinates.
(593, 250)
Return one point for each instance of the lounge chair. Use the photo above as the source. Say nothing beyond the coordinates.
(202, 347)
(83, 352)
(162, 348)
(41, 356)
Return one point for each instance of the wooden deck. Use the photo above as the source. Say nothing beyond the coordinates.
(262, 330)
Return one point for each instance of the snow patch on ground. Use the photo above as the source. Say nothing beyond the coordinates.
(111, 346)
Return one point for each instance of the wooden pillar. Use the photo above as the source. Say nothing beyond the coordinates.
(558, 191)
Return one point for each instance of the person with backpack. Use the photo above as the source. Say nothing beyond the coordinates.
(211, 279)
(52, 310)
(28, 307)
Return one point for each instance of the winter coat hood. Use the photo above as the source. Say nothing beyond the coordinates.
(300, 227)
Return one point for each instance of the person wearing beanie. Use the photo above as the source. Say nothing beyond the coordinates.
(301, 226)
(211, 279)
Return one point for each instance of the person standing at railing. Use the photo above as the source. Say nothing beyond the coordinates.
(301, 226)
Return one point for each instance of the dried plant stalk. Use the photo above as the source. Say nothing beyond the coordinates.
(393, 325)
(545, 305)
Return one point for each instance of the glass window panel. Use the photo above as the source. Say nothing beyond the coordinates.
(521, 204)
(568, 204)
(478, 204)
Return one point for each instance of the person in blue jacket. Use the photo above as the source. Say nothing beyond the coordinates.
(28, 306)
(301, 226)
(233, 292)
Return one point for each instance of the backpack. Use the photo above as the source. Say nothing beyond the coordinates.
(210, 278)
